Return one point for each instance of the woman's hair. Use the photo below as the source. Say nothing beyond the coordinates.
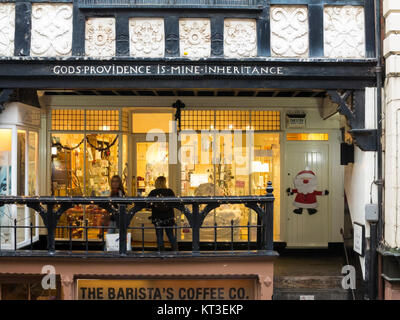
(121, 186)
(161, 183)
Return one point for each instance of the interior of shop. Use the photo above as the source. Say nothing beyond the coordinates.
(90, 144)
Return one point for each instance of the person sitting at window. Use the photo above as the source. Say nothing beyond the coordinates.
(117, 190)
(163, 215)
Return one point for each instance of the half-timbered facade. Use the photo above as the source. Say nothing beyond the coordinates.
(85, 82)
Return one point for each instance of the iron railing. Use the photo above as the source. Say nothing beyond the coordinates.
(124, 209)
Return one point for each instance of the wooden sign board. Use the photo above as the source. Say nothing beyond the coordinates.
(166, 289)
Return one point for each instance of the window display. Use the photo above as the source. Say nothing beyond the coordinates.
(151, 162)
(69, 164)
(230, 163)
(26, 183)
(5, 184)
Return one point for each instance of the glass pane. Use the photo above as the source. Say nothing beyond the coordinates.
(151, 162)
(14, 291)
(232, 178)
(101, 166)
(67, 164)
(21, 162)
(125, 166)
(266, 167)
(102, 120)
(307, 136)
(144, 122)
(33, 151)
(5, 184)
(101, 163)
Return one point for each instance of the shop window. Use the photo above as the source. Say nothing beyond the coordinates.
(197, 119)
(258, 120)
(33, 148)
(215, 164)
(5, 162)
(30, 290)
(125, 121)
(102, 120)
(21, 155)
(262, 120)
(307, 136)
(266, 167)
(26, 184)
(62, 119)
(232, 119)
(5, 185)
(144, 122)
(90, 120)
(75, 173)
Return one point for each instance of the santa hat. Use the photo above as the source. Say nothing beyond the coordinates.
(307, 173)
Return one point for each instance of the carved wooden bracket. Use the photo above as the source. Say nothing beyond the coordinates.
(365, 139)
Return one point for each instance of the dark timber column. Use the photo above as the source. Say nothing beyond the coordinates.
(217, 36)
(122, 35)
(78, 32)
(23, 12)
(264, 32)
(171, 36)
(316, 29)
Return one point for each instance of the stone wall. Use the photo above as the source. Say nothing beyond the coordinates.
(391, 48)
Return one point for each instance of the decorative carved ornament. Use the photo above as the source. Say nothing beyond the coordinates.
(7, 29)
(51, 30)
(195, 38)
(147, 37)
(289, 31)
(344, 33)
(100, 37)
(240, 38)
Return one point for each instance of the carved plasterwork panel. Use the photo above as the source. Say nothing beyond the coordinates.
(147, 37)
(289, 31)
(344, 32)
(240, 38)
(7, 29)
(195, 38)
(51, 29)
(100, 37)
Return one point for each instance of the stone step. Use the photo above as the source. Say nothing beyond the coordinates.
(311, 294)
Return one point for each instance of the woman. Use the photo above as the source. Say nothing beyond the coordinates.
(117, 190)
(163, 214)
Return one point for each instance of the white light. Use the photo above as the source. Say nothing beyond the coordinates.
(54, 151)
(260, 167)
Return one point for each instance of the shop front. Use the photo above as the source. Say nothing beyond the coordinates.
(231, 150)
(250, 110)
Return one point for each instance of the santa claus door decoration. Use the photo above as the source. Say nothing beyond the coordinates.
(305, 185)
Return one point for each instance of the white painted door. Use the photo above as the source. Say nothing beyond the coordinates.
(305, 229)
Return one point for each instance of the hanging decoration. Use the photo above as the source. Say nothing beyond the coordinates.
(100, 149)
(305, 184)
(178, 105)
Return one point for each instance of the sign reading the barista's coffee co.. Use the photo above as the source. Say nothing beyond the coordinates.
(166, 289)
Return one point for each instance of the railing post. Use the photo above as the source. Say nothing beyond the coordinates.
(122, 229)
(268, 220)
(51, 228)
(195, 228)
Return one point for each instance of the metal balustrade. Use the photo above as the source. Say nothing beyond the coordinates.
(124, 209)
